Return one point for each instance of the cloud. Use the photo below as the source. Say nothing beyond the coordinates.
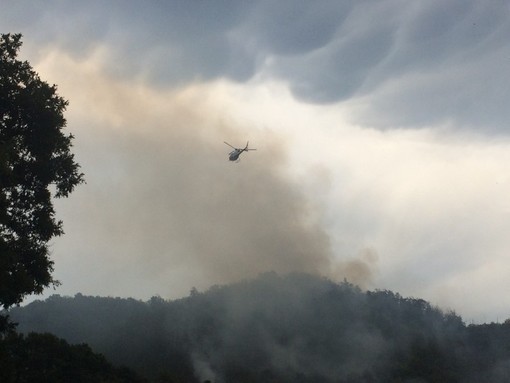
(403, 64)
(290, 28)
(411, 65)
(165, 44)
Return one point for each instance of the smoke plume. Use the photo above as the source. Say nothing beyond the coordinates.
(164, 208)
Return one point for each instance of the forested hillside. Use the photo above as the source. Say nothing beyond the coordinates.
(297, 328)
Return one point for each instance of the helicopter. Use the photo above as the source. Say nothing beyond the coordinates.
(234, 154)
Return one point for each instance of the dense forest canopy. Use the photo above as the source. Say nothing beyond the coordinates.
(46, 358)
(295, 328)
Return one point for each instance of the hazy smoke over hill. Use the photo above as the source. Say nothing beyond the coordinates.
(298, 328)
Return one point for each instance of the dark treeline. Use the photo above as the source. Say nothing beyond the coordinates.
(46, 358)
(297, 328)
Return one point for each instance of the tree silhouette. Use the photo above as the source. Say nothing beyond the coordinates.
(36, 164)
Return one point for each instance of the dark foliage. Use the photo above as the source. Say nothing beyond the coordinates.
(297, 328)
(45, 358)
(34, 156)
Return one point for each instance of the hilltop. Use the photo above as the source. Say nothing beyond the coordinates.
(293, 328)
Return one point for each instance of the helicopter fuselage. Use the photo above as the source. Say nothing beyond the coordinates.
(234, 154)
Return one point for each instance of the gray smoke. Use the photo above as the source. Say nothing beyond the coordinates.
(165, 209)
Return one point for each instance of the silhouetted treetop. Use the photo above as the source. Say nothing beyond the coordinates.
(35, 159)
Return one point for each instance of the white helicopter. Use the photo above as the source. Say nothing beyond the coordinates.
(234, 154)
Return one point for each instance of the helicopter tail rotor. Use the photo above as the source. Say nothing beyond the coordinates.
(246, 147)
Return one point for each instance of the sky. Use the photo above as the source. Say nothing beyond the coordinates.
(381, 128)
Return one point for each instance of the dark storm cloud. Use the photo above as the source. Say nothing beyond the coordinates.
(448, 64)
(294, 27)
(338, 73)
(166, 43)
(429, 60)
